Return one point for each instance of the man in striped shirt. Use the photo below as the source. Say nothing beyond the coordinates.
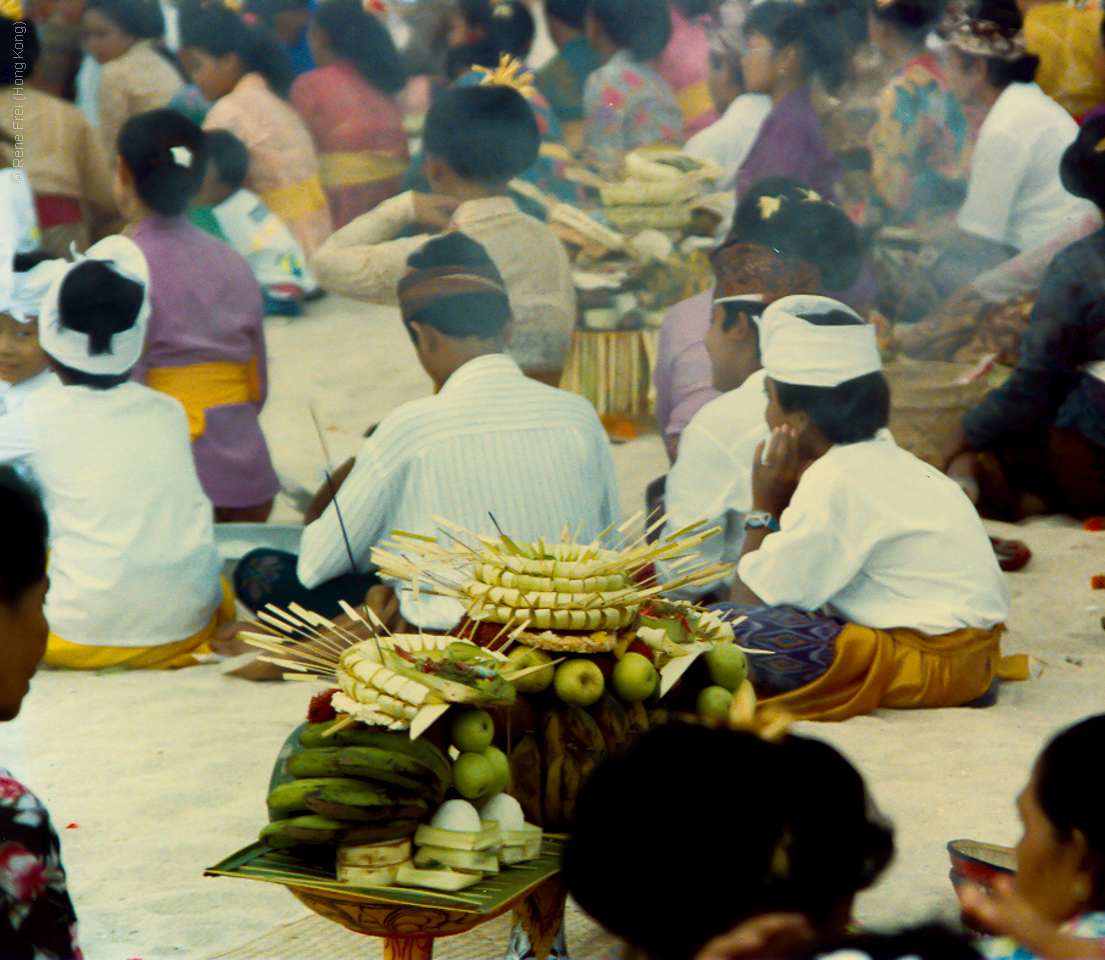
(489, 442)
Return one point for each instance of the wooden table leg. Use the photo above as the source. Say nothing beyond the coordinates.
(408, 948)
(542, 913)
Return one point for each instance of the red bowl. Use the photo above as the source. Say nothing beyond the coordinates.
(980, 863)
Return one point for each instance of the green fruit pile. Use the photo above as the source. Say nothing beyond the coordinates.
(361, 785)
(481, 770)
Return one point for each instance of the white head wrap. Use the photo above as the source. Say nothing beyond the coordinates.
(793, 350)
(70, 347)
(21, 293)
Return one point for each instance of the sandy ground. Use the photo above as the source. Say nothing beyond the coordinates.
(152, 777)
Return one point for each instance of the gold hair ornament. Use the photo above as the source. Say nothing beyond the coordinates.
(12, 9)
(769, 206)
(1100, 148)
(509, 73)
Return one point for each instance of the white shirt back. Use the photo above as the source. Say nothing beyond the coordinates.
(132, 549)
(1014, 195)
(491, 441)
(883, 540)
(711, 479)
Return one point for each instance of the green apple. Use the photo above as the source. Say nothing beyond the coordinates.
(472, 731)
(522, 658)
(579, 681)
(501, 765)
(473, 776)
(713, 703)
(726, 664)
(634, 678)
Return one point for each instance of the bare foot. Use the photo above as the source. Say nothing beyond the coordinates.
(226, 642)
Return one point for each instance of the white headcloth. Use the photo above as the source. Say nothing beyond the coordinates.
(793, 350)
(71, 347)
(21, 293)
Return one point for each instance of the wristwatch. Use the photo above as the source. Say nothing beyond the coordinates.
(761, 518)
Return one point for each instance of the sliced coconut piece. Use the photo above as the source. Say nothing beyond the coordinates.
(466, 860)
(446, 880)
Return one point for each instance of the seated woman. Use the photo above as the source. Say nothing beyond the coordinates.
(844, 520)
(727, 141)
(134, 574)
(63, 158)
(788, 883)
(1054, 905)
(348, 104)
(36, 914)
(1014, 198)
(138, 73)
(786, 46)
(1037, 443)
(684, 63)
(241, 71)
(920, 144)
(204, 344)
(626, 104)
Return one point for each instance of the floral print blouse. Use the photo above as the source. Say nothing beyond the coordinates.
(37, 921)
(626, 106)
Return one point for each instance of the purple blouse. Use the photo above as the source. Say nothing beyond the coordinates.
(684, 378)
(791, 143)
(207, 307)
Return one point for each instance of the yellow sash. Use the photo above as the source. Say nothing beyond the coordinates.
(694, 101)
(902, 668)
(296, 200)
(347, 168)
(205, 385)
(63, 655)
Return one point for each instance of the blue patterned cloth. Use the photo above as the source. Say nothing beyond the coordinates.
(798, 647)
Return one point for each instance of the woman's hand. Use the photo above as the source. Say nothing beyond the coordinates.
(1004, 912)
(775, 474)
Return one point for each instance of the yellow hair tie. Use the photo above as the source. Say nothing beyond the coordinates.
(509, 74)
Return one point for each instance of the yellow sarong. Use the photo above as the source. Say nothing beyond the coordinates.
(903, 669)
(296, 200)
(347, 168)
(63, 655)
(205, 385)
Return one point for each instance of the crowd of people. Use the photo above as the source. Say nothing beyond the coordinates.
(906, 177)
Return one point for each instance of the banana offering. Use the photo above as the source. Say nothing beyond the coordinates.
(357, 786)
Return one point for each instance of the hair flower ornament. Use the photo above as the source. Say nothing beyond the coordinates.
(769, 206)
(12, 9)
(509, 73)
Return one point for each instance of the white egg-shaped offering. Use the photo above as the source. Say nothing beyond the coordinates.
(457, 815)
(504, 810)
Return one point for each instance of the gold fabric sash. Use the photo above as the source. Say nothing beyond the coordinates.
(904, 669)
(201, 386)
(348, 168)
(294, 201)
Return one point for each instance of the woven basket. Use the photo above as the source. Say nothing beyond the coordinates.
(926, 404)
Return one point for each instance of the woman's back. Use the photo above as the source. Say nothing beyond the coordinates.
(358, 131)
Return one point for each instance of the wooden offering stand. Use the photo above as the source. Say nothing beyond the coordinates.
(408, 920)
